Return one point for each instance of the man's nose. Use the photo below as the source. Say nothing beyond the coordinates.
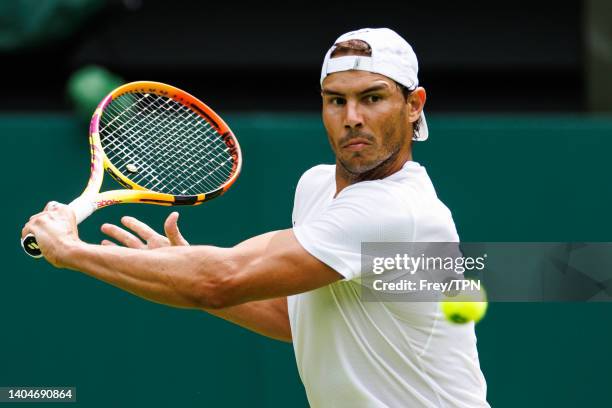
(353, 118)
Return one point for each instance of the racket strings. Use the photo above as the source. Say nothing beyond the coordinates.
(170, 126)
(207, 138)
(171, 129)
(165, 146)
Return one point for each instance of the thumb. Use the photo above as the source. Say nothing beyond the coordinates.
(172, 231)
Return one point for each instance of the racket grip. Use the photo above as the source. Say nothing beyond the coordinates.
(30, 246)
(82, 208)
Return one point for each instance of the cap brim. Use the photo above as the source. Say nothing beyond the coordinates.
(423, 133)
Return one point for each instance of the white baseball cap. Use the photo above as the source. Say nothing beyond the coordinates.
(391, 56)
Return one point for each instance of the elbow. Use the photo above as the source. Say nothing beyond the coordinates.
(286, 339)
(213, 301)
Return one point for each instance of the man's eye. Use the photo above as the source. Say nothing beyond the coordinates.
(373, 98)
(337, 101)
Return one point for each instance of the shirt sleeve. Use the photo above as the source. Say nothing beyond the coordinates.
(363, 212)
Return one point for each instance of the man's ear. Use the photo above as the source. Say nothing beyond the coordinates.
(416, 101)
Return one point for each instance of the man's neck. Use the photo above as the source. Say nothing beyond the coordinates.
(344, 178)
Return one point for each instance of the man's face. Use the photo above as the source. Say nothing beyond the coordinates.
(366, 118)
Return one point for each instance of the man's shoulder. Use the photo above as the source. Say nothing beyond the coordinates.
(320, 170)
(317, 175)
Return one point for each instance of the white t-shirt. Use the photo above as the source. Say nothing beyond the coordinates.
(352, 353)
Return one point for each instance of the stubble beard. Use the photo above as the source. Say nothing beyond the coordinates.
(370, 171)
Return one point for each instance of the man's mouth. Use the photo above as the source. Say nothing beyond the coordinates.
(356, 144)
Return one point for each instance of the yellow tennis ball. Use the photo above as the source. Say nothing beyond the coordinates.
(463, 312)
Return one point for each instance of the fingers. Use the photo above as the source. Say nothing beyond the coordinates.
(53, 212)
(145, 233)
(25, 231)
(172, 231)
(106, 242)
(143, 230)
(57, 207)
(51, 205)
(122, 236)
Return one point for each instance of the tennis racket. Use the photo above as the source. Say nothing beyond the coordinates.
(163, 145)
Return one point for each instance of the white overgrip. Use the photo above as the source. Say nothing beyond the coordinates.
(82, 208)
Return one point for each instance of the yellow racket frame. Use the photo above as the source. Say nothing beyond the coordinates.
(135, 193)
(91, 199)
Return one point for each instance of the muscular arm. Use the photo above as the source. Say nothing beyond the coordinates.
(246, 285)
(257, 274)
(266, 317)
(268, 266)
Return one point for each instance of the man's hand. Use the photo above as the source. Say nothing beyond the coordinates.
(145, 233)
(55, 230)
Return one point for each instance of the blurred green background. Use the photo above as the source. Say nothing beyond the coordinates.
(507, 167)
(505, 178)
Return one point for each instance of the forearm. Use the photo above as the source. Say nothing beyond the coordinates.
(177, 276)
(262, 271)
(266, 317)
(184, 277)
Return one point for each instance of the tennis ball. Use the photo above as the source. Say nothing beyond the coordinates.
(465, 307)
(464, 311)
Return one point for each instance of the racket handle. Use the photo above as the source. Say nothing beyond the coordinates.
(82, 208)
(30, 246)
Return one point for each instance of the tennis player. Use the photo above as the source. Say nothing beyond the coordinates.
(301, 284)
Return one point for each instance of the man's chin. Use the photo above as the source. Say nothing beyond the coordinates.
(357, 168)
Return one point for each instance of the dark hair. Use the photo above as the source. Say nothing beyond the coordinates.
(360, 47)
(351, 47)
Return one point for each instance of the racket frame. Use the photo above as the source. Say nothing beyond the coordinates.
(134, 193)
(91, 199)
